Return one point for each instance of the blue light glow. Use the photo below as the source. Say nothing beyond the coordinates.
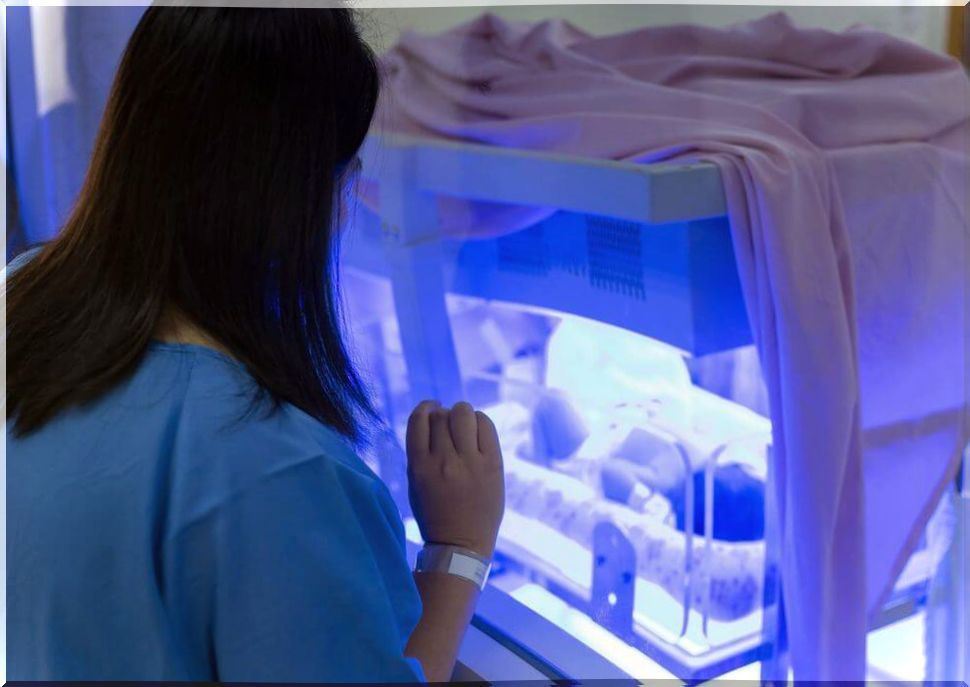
(567, 394)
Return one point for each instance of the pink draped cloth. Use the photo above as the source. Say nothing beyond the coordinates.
(845, 165)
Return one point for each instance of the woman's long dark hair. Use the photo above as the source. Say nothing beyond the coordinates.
(213, 189)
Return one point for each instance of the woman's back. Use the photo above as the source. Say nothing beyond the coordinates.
(170, 530)
(159, 526)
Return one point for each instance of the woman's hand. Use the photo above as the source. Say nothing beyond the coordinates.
(455, 477)
(457, 491)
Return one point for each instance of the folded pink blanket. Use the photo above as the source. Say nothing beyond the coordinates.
(845, 165)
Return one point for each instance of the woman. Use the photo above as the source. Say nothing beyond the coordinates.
(184, 502)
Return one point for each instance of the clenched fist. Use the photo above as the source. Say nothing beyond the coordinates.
(455, 478)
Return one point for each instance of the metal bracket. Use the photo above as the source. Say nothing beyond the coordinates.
(614, 574)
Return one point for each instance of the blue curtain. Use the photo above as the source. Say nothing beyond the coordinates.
(60, 64)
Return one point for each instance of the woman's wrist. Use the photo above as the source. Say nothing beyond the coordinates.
(454, 560)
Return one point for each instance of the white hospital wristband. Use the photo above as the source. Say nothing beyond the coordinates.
(454, 561)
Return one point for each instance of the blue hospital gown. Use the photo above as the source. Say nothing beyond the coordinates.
(162, 533)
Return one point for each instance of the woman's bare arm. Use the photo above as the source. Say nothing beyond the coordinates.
(449, 603)
(457, 489)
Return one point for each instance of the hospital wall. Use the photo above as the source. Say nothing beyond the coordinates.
(921, 24)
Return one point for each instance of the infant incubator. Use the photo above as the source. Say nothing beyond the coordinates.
(613, 358)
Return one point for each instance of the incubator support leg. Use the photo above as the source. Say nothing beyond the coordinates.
(947, 630)
(414, 255)
(776, 665)
(419, 301)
